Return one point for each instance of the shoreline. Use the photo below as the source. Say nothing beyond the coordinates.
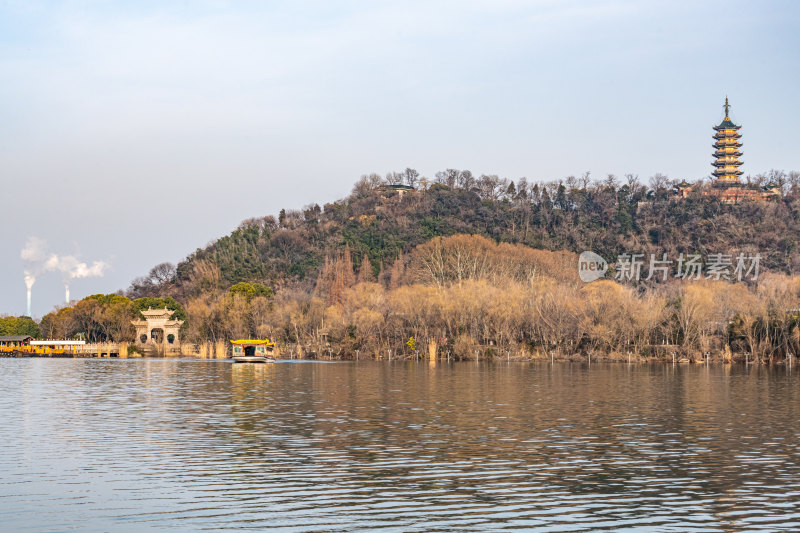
(606, 358)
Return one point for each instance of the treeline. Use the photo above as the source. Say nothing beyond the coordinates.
(467, 296)
(103, 317)
(107, 317)
(19, 325)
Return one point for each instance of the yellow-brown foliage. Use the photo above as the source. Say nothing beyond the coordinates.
(445, 260)
(466, 293)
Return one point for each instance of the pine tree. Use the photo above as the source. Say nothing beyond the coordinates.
(324, 280)
(365, 273)
(397, 272)
(335, 277)
(511, 191)
(345, 270)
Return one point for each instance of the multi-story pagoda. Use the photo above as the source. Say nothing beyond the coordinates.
(726, 156)
(727, 186)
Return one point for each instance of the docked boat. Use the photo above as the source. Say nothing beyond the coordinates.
(253, 351)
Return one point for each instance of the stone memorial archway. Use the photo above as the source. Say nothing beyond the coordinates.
(158, 333)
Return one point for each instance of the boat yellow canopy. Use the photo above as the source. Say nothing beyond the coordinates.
(253, 342)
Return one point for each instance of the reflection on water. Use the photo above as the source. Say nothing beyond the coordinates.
(190, 445)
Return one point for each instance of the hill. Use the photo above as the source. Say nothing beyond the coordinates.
(379, 224)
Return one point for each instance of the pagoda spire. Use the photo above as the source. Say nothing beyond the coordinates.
(727, 106)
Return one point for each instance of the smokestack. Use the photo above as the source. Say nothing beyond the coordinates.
(38, 261)
(33, 254)
(29, 281)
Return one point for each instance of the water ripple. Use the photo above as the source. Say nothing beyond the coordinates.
(188, 445)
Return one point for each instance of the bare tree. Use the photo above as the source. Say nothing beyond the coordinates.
(779, 178)
(465, 180)
(793, 179)
(585, 179)
(394, 178)
(447, 177)
(162, 274)
(411, 176)
(659, 182)
(290, 243)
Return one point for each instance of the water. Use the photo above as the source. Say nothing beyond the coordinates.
(187, 445)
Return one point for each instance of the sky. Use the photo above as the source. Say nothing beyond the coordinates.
(134, 133)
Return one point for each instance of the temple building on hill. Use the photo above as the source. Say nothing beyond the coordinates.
(728, 186)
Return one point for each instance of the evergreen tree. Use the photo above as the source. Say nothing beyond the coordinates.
(365, 273)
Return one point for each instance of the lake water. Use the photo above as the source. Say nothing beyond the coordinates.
(188, 445)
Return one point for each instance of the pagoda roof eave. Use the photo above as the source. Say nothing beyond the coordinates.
(727, 125)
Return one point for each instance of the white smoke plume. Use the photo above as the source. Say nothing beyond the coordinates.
(71, 268)
(35, 250)
(38, 261)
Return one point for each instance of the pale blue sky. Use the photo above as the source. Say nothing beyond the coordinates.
(135, 132)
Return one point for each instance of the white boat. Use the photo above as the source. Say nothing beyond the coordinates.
(253, 351)
(253, 359)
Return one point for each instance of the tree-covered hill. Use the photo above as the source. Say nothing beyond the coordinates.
(379, 224)
(463, 267)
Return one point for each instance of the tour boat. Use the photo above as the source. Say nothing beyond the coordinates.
(253, 351)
